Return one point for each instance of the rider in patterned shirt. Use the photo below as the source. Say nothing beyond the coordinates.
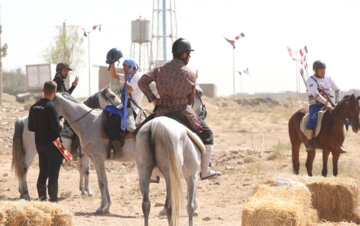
(176, 87)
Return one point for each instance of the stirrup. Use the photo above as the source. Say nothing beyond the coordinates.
(342, 150)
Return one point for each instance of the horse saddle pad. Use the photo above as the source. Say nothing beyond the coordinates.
(305, 119)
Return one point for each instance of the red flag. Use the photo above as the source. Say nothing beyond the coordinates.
(239, 36)
(232, 42)
(301, 52)
(291, 53)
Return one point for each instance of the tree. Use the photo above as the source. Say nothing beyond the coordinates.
(67, 47)
(14, 81)
(3, 52)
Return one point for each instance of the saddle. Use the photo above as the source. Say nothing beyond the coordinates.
(305, 119)
(112, 131)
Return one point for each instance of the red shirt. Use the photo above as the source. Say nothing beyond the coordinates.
(176, 87)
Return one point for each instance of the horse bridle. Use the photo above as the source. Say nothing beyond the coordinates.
(105, 97)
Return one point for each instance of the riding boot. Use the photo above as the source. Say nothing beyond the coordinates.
(41, 189)
(53, 192)
(206, 173)
(342, 149)
(310, 144)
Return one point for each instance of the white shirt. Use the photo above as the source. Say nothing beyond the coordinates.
(325, 83)
(136, 94)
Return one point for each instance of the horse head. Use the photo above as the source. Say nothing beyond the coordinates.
(108, 97)
(352, 111)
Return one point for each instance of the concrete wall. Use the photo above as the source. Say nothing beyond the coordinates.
(105, 78)
(209, 89)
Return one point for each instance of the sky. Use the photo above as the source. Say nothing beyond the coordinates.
(330, 30)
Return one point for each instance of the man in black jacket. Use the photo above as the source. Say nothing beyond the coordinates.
(62, 71)
(44, 121)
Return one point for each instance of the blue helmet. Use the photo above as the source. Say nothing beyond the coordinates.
(113, 55)
(131, 62)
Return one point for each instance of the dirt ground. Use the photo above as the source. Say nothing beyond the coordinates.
(251, 145)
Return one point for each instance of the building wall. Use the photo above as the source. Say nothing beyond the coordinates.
(209, 89)
(105, 78)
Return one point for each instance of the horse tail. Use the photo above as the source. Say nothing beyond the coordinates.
(166, 138)
(18, 151)
(295, 139)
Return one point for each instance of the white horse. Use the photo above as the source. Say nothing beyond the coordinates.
(164, 143)
(172, 149)
(24, 149)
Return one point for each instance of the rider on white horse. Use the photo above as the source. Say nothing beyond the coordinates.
(176, 87)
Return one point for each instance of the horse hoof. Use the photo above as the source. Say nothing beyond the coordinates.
(90, 194)
(196, 213)
(162, 213)
(25, 196)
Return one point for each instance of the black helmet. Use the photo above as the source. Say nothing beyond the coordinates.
(318, 65)
(181, 46)
(60, 66)
(113, 55)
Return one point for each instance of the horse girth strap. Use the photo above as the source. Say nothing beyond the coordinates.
(83, 116)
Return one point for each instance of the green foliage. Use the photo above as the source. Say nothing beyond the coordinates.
(14, 81)
(67, 47)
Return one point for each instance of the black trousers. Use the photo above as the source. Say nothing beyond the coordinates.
(50, 160)
(206, 135)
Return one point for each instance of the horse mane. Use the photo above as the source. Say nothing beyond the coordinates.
(71, 98)
(343, 101)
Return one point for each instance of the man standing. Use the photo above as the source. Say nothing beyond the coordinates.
(62, 71)
(44, 121)
(176, 86)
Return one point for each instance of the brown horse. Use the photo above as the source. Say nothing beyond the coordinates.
(331, 135)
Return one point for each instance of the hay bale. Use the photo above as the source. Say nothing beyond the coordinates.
(59, 215)
(33, 213)
(335, 198)
(279, 205)
(23, 213)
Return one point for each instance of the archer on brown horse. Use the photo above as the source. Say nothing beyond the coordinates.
(331, 135)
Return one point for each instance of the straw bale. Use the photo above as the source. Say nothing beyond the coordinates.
(33, 213)
(279, 205)
(342, 223)
(59, 215)
(2, 218)
(335, 198)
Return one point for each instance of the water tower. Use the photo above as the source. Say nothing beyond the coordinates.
(164, 31)
(140, 41)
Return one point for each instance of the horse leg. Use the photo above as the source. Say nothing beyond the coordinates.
(295, 149)
(309, 162)
(191, 196)
(325, 160)
(168, 206)
(99, 163)
(144, 182)
(84, 170)
(335, 158)
(28, 159)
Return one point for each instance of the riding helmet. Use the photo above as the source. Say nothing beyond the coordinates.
(318, 65)
(181, 46)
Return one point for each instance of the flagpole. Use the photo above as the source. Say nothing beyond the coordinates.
(234, 71)
(296, 71)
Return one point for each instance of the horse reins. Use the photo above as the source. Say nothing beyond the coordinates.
(83, 116)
